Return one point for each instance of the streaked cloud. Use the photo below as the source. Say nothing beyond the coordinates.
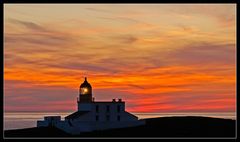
(28, 25)
(158, 58)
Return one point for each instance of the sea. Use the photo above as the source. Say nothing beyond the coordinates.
(20, 120)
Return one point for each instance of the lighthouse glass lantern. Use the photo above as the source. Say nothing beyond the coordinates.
(85, 92)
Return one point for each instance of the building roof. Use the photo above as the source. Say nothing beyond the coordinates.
(107, 102)
(76, 114)
(131, 115)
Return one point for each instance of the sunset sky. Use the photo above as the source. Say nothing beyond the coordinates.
(156, 57)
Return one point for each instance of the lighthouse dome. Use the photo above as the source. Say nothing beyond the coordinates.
(85, 84)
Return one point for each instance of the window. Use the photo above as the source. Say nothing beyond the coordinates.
(118, 108)
(97, 108)
(108, 108)
(108, 117)
(97, 117)
(118, 118)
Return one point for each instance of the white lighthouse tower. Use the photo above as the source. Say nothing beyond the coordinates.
(84, 101)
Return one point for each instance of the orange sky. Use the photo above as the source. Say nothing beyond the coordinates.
(156, 57)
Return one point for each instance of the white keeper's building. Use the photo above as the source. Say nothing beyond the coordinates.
(93, 115)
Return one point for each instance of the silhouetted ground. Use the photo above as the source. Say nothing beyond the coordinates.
(155, 127)
(36, 132)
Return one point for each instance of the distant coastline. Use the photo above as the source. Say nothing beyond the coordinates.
(184, 126)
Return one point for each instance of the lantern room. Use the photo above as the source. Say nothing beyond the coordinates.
(85, 92)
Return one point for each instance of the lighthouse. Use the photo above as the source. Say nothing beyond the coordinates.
(93, 115)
